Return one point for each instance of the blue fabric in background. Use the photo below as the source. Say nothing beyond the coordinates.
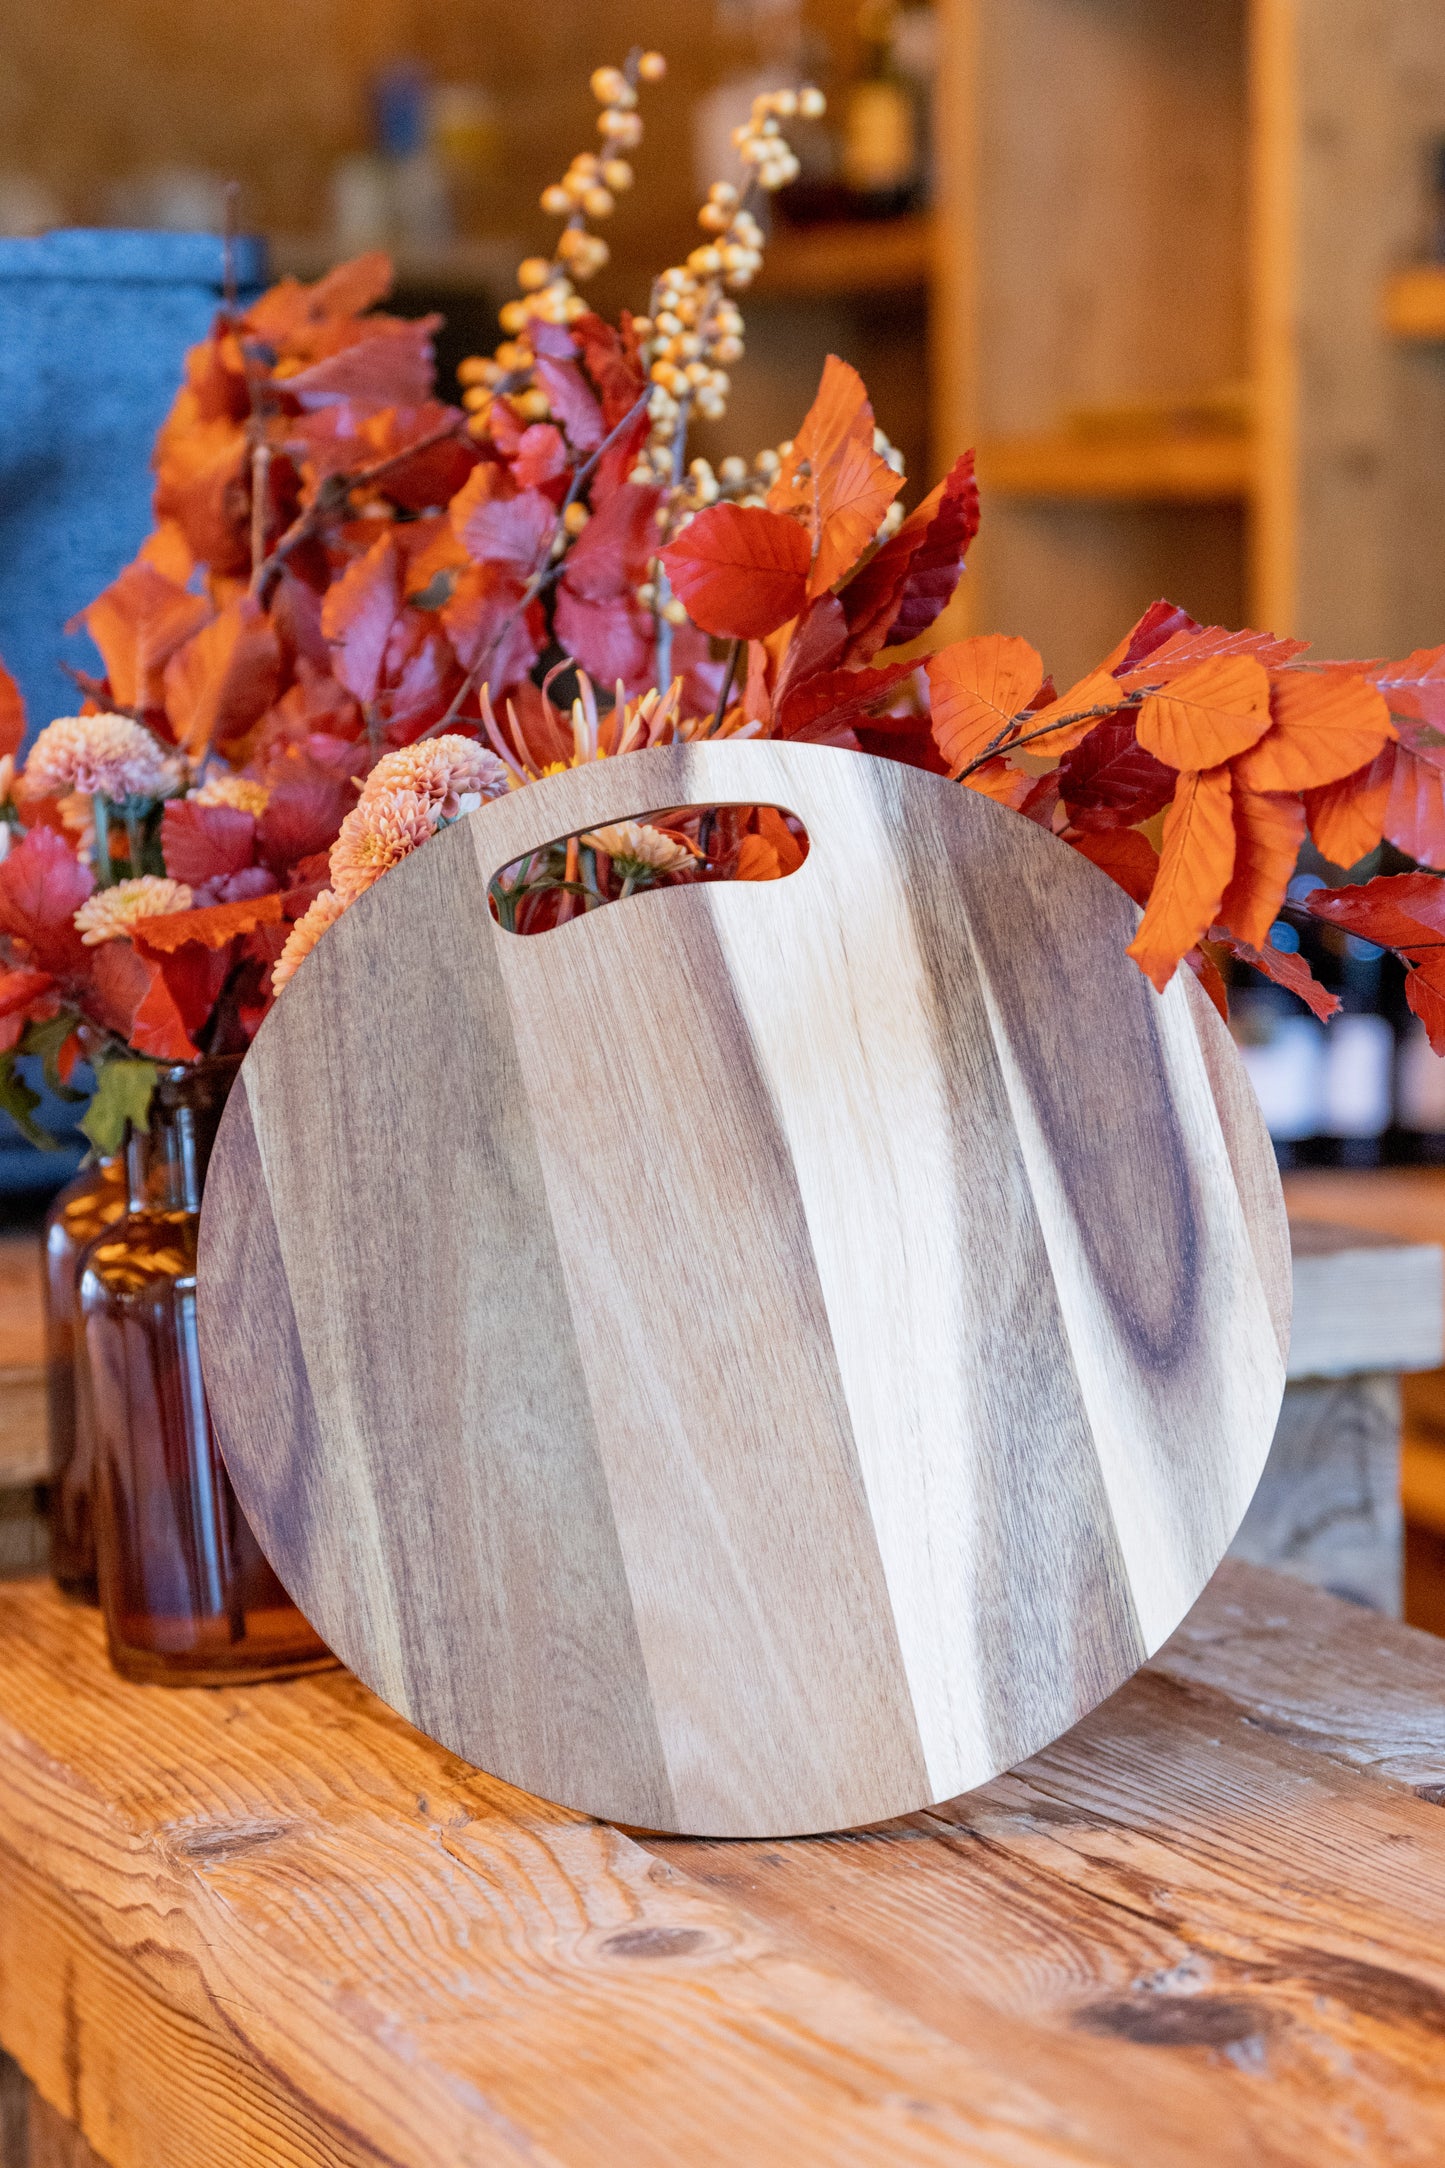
(93, 332)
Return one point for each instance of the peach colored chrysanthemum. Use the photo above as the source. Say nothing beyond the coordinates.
(304, 935)
(242, 792)
(376, 835)
(108, 754)
(110, 913)
(636, 849)
(450, 771)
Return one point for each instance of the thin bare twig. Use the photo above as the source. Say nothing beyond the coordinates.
(725, 689)
(331, 500)
(1003, 743)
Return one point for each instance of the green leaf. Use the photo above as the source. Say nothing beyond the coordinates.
(122, 1094)
(46, 1040)
(19, 1102)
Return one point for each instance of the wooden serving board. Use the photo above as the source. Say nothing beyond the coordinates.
(762, 1357)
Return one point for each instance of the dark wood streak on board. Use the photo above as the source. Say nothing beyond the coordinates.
(1051, 1589)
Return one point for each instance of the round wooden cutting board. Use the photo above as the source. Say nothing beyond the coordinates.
(761, 1357)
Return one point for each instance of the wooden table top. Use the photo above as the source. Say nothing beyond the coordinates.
(275, 1925)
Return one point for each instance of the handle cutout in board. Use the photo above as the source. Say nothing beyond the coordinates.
(678, 847)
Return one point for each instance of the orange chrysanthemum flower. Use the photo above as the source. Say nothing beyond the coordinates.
(375, 835)
(242, 792)
(454, 773)
(105, 754)
(110, 913)
(304, 935)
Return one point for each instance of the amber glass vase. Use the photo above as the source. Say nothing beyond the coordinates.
(187, 1595)
(83, 1210)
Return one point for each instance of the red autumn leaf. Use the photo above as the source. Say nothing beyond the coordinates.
(831, 697)
(1415, 808)
(358, 614)
(1208, 713)
(42, 886)
(1268, 832)
(132, 998)
(205, 842)
(223, 680)
(1425, 992)
(1325, 724)
(303, 813)
(287, 311)
(1282, 967)
(611, 555)
(1404, 911)
(571, 402)
(212, 926)
(909, 580)
(1159, 623)
(18, 989)
(1189, 645)
(1347, 818)
(138, 622)
(492, 521)
(835, 478)
(488, 627)
(815, 643)
(541, 456)
(978, 687)
(611, 639)
(12, 713)
(1195, 864)
(613, 368)
(1109, 781)
(740, 570)
(1414, 691)
(1210, 977)
(1129, 859)
(390, 365)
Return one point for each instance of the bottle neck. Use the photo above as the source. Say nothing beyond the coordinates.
(166, 1161)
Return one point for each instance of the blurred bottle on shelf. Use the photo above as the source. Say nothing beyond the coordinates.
(1435, 209)
(885, 112)
(434, 148)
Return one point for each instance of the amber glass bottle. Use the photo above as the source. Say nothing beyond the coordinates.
(187, 1595)
(85, 1207)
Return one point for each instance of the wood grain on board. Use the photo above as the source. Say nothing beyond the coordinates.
(274, 1924)
(761, 1356)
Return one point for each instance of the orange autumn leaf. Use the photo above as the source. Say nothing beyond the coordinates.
(1324, 725)
(1195, 865)
(138, 623)
(1207, 714)
(1347, 818)
(1268, 832)
(757, 861)
(1129, 858)
(1211, 978)
(998, 780)
(774, 829)
(213, 925)
(978, 687)
(224, 678)
(835, 477)
(1094, 697)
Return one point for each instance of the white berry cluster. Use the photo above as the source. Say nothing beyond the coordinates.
(588, 190)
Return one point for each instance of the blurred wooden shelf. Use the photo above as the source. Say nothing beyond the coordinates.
(1177, 469)
(487, 266)
(865, 256)
(1413, 303)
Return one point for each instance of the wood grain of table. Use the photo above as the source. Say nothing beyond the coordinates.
(276, 1926)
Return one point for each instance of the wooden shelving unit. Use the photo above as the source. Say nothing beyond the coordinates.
(1205, 191)
(1067, 467)
(1412, 306)
(873, 256)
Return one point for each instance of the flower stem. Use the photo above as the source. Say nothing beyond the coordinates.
(100, 814)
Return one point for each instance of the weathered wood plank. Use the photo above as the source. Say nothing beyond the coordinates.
(1201, 1931)
(1328, 1504)
(1364, 1301)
